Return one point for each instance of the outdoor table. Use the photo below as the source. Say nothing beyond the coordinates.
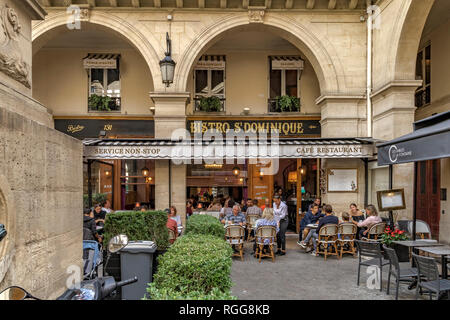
(414, 244)
(442, 251)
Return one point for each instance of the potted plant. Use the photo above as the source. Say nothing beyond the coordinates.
(396, 235)
(288, 104)
(99, 103)
(210, 104)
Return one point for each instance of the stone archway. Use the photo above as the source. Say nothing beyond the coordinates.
(406, 38)
(110, 21)
(315, 49)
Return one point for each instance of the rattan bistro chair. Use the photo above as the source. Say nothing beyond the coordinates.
(251, 222)
(375, 232)
(328, 238)
(404, 274)
(347, 232)
(431, 281)
(371, 250)
(234, 235)
(265, 234)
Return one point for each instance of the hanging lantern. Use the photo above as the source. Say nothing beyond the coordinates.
(145, 171)
(107, 172)
(167, 65)
(236, 171)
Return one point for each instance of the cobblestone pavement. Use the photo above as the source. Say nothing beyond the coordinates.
(299, 275)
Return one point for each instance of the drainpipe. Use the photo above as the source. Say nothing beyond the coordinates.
(369, 68)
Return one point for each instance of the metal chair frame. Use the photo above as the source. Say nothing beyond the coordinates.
(372, 250)
(431, 282)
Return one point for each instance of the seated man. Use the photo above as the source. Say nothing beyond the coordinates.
(252, 210)
(89, 226)
(236, 217)
(328, 219)
(311, 217)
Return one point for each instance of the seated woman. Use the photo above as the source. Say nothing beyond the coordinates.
(267, 219)
(356, 216)
(173, 216)
(372, 218)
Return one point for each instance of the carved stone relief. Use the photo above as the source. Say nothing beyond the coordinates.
(11, 62)
(256, 14)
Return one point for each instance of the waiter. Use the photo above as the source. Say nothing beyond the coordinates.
(280, 211)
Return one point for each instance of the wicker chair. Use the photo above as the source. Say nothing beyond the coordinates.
(328, 236)
(375, 232)
(234, 235)
(428, 269)
(251, 222)
(372, 250)
(347, 232)
(172, 236)
(404, 274)
(265, 233)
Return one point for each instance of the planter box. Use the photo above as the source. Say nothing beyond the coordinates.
(401, 251)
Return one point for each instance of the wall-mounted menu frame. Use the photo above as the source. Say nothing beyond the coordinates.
(342, 180)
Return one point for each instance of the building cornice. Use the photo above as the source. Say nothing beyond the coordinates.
(397, 84)
(324, 98)
(37, 12)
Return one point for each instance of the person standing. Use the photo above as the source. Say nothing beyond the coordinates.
(280, 211)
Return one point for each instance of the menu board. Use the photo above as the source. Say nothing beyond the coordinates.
(342, 180)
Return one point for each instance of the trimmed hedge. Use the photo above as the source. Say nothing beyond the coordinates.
(137, 225)
(194, 267)
(204, 224)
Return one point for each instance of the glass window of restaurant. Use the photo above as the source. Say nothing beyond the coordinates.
(206, 182)
(137, 183)
(101, 182)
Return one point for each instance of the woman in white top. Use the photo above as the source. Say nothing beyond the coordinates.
(280, 211)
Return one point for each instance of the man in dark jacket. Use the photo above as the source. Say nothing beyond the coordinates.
(89, 225)
(311, 217)
(328, 219)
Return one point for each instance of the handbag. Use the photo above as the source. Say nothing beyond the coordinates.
(3, 232)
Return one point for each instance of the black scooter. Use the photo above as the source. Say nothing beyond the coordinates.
(95, 289)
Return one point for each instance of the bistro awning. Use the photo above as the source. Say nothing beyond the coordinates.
(249, 149)
(429, 140)
(101, 61)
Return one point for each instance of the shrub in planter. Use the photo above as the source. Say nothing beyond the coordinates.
(204, 224)
(168, 294)
(137, 225)
(195, 266)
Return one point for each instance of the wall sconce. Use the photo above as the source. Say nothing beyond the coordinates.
(241, 179)
(107, 172)
(236, 171)
(261, 173)
(152, 110)
(148, 180)
(145, 171)
(246, 111)
(167, 65)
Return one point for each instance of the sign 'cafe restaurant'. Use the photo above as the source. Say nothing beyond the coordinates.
(241, 157)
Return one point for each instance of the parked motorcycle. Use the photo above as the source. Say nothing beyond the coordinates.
(95, 289)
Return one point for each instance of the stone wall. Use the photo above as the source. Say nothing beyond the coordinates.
(40, 171)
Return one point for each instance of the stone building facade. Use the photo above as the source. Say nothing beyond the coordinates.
(37, 191)
(330, 37)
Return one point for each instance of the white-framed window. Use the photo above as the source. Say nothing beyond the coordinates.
(284, 79)
(423, 72)
(104, 82)
(209, 84)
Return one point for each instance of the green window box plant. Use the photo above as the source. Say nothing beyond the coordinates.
(287, 104)
(210, 104)
(99, 103)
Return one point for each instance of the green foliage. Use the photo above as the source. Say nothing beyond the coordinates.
(137, 225)
(205, 224)
(288, 104)
(96, 198)
(194, 267)
(210, 104)
(99, 103)
(169, 294)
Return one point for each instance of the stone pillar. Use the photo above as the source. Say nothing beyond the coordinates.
(393, 116)
(342, 116)
(41, 172)
(170, 115)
